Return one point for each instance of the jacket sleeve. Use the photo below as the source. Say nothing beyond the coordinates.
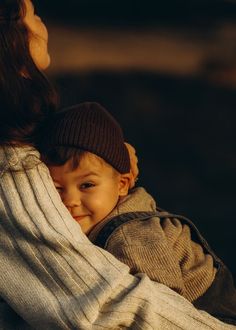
(165, 252)
(197, 266)
(54, 278)
(220, 299)
(219, 295)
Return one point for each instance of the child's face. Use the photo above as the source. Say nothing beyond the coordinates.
(91, 191)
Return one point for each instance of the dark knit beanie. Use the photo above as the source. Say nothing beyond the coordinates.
(89, 127)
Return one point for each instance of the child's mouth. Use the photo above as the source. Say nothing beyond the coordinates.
(79, 217)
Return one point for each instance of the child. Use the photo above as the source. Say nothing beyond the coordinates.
(90, 166)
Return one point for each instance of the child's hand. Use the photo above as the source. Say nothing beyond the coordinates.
(133, 165)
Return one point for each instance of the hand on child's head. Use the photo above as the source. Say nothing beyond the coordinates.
(134, 171)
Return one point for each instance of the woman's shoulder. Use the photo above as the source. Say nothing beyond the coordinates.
(16, 158)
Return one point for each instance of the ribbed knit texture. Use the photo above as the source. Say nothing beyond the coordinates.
(52, 277)
(89, 126)
(161, 249)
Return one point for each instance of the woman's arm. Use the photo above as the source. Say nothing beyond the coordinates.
(54, 278)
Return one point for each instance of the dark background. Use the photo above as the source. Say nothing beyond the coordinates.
(181, 123)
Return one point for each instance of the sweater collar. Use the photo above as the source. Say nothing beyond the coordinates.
(138, 200)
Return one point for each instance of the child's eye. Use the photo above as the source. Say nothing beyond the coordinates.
(58, 188)
(87, 185)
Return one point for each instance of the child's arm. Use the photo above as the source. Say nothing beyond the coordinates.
(219, 298)
(197, 266)
(165, 251)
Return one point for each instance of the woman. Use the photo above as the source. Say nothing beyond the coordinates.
(51, 276)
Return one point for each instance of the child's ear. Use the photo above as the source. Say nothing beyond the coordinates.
(124, 184)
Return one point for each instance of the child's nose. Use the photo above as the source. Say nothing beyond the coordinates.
(71, 199)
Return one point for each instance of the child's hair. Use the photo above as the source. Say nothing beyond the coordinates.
(86, 127)
(59, 155)
(26, 96)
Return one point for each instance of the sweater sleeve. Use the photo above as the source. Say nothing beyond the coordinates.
(197, 267)
(54, 278)
(165, 252)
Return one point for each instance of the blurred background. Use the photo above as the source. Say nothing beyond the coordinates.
(167, 72)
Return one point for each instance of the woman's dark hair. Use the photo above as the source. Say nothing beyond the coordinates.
(26, 96)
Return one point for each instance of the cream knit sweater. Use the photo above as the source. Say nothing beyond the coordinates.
(52, 277)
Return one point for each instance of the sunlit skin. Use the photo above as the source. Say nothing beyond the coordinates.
(38, 37)
(91, 191)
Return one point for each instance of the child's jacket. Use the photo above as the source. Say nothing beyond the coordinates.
(170, 250)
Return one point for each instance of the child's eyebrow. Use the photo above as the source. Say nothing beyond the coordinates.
(83, 176)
